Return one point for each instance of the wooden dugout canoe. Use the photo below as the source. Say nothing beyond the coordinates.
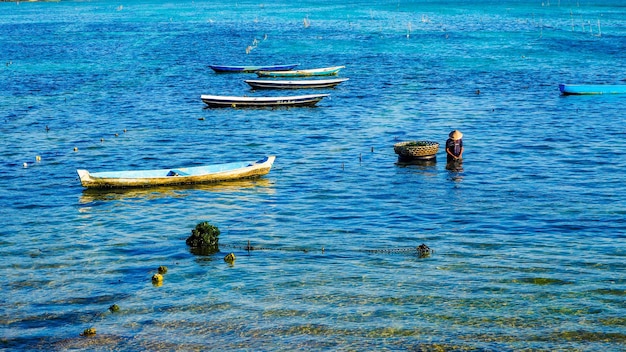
(222, 101)
(324, 71)
(176, 176)
(294, 84)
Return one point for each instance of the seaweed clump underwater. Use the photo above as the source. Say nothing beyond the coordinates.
(204, 239)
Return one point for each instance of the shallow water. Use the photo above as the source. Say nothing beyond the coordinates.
(528, 239)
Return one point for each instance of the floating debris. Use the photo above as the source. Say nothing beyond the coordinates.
(88, 332)
(230, 258)
(424, 251)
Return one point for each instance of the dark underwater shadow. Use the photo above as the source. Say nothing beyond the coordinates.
(455, 170)
(91, 195)
(423, 164)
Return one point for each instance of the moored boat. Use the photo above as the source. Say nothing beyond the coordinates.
(222, 101)
(324, 71)
(177, 176)
(582, 89)
(247, 69)
(294, 84)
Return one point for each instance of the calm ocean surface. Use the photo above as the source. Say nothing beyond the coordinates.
(529, 239)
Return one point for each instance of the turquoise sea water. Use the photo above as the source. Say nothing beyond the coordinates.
(529, 239)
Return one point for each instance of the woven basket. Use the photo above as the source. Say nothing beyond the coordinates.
(416, 148)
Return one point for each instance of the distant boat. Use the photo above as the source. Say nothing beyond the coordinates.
(221, 101)
(177, 176)
(294, 84)
(580, 89)
(325, 71)
(240, 69)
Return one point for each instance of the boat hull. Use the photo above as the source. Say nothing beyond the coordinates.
(294, 84)
(219, 101)
(248, 69)
(592, 89)
(326, 71)
(176, 176)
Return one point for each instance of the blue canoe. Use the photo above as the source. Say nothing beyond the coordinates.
(239, 69)
(581, 89)
(177, 176)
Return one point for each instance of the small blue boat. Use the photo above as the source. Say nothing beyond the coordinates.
(247, 69)
(582, 89)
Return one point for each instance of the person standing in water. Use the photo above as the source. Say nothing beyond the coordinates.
(454, 148)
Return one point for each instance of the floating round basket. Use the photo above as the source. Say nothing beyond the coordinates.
(416, 150)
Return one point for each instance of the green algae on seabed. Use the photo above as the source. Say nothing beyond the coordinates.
(89, 332)
(541, 281)
(589, 336)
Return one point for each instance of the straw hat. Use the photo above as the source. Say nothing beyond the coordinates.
(456, 135)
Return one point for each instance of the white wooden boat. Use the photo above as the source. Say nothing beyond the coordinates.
(324, 71)
(222, 101)
(294, 84)
(177, 176)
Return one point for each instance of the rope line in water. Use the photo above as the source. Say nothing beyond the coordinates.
(422, 250)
